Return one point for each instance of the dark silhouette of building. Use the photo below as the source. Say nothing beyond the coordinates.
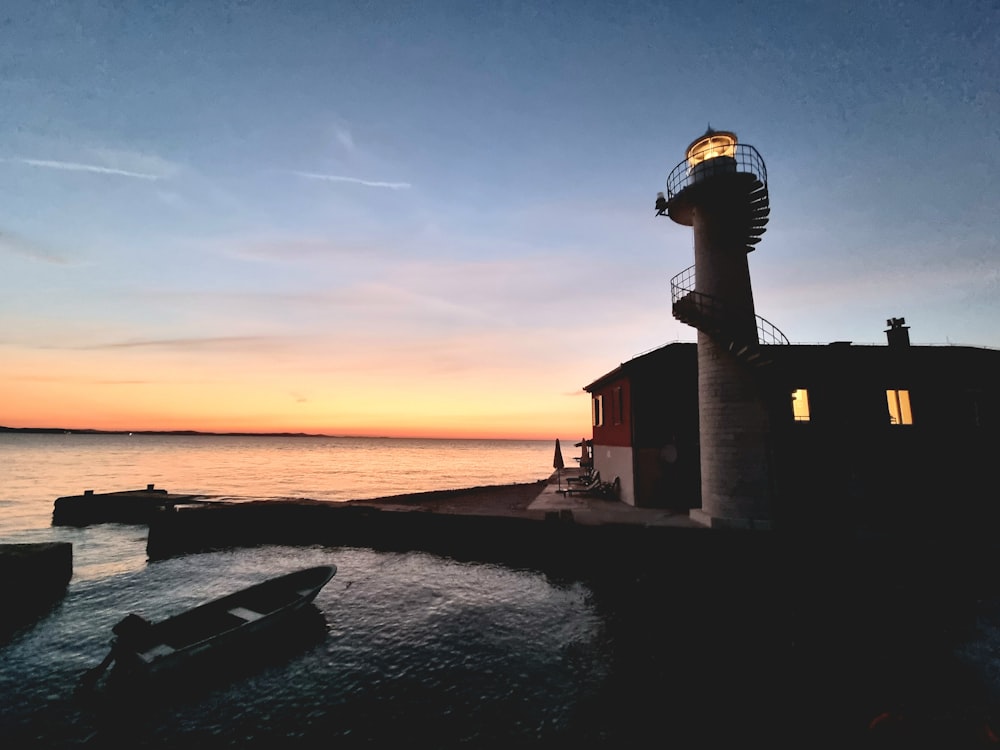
(746, 430)
(879, 434)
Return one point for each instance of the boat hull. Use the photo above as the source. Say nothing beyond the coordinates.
(221, 626)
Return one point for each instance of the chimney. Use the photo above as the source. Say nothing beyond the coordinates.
(898, 333)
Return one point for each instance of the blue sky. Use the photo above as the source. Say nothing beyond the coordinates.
(437, 218)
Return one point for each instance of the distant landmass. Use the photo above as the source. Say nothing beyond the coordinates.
(64, 431)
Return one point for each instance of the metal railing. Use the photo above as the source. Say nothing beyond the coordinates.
(745, 156)
(682, 291)
(768, 333)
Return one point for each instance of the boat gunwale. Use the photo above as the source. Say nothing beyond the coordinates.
(296, 594)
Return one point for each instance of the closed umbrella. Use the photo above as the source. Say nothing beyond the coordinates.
(557, 462)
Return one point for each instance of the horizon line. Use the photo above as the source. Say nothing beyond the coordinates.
(213, 433)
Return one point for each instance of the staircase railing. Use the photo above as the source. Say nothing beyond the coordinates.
(709, 308)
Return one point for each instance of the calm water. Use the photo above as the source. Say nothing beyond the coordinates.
(36, 469)
(409, 644)
(401, 647)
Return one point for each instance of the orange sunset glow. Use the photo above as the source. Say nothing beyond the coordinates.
(451, 233)
(264, 397)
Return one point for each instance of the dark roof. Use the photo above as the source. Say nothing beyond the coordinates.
(941, 362)
(655, 358)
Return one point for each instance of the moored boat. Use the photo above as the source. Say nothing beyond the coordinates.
(144, 648)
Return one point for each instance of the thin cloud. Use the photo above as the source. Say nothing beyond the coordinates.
(217, 342)
(72, 166)
(11, 243)
(299, 249)
(352, 180)
(136, 161)
(77, 379)
(344, 137)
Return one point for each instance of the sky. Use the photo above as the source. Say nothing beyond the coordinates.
(436, 219)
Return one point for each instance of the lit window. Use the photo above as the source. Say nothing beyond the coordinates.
(800, 405)
(899, 407)
(598, 411)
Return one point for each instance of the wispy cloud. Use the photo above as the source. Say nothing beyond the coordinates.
(138, 162)
(11, 243)
(352, 180)
(298, 249)
(72, 166)
(187, 344)
(344, 137)
(35, 378)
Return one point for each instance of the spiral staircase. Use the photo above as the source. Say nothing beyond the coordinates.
(739, 182)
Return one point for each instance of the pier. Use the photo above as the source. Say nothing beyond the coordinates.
(32, 577)
(126, 506)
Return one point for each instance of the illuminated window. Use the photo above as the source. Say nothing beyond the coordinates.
(899, 407)
(800, 405)
(598, 410)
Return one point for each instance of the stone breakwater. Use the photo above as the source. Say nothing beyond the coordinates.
(32, 577)
(127, 506)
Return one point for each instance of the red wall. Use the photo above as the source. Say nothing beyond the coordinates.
(617, 427)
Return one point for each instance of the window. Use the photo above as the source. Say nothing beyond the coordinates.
(800, 405)
(598, 404)
(619, 406)
(899, 407)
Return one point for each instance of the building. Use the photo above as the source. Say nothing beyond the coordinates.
(888, 431)
(746, 430)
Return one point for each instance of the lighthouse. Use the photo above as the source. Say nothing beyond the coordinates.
(720, 191)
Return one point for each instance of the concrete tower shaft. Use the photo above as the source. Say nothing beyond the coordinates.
(720, 190)
(722, 272)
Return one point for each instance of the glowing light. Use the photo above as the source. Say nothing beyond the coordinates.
(899, 407)
(800, 405)
(712, 145)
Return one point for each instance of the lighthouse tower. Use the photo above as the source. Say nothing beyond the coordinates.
(720, 190)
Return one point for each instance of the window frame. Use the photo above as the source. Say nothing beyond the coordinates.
(597, 410)
(797, 416)
(899, 406)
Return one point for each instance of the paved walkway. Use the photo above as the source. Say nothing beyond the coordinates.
(594, 511)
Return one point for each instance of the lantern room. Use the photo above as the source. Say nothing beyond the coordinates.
(711, 154)
(713, 144)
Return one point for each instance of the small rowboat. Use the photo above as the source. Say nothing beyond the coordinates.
(143, 648)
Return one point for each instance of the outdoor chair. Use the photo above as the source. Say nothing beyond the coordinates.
(592, 485)
(597, 488)
(585, 477)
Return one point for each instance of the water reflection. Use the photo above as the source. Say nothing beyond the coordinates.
(40, 468)
(396, 645)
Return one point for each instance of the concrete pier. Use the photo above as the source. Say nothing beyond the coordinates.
(128, 506)
(547, 540)
(32, 577)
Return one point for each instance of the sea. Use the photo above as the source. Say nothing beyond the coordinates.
(399, 647)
